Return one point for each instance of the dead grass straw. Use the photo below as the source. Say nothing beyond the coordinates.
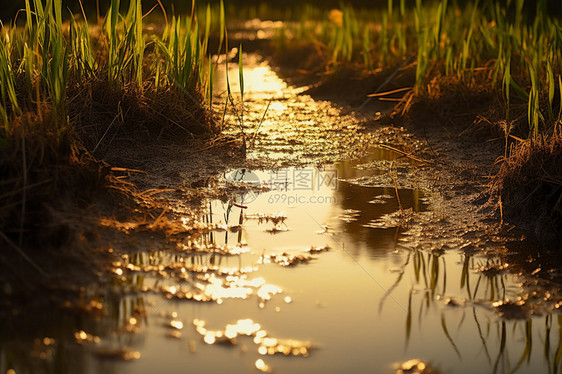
(529, 185)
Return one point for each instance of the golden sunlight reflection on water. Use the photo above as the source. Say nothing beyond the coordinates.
(367, 293)
(324, 272)
(259, 80)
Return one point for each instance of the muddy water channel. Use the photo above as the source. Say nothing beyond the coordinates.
(300, 268)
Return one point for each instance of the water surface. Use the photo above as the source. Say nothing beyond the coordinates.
(306, 269)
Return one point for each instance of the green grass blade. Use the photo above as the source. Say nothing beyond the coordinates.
(222, 26)
(550, 84)
(560, 95)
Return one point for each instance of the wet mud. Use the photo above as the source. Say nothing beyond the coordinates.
(308, 238)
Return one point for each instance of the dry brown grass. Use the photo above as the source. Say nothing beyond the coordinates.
(447, 102)
(43, 169)
(55, 187)
(59, 207)
(529, 184)
(99, 112)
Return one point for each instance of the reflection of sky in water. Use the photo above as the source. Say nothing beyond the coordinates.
(259, 80)
(363, 305)
(368, 302)
(339, 312)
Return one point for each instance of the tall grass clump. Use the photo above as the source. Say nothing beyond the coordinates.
(67, 89)
(126, 44)
(49, 56)
(9, 103)
(503, 46)
(493, 62)
(184, 54)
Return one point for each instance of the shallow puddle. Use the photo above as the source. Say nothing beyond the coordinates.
(280, 124)
(308, 270)
(296, 267)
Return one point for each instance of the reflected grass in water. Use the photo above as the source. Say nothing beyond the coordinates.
(515, 326)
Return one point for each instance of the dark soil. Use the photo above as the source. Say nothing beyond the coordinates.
(463, 125)
(158, 176)
(530, 182)
(67, 193)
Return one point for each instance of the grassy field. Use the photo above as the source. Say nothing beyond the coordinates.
(69, 86)
(519, 54)
(45, 58)
(508, 52)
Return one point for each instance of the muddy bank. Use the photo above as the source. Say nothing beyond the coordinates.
(195, 253)
(441, 150)
(66, 196)
(462, 123)
(60, 282)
